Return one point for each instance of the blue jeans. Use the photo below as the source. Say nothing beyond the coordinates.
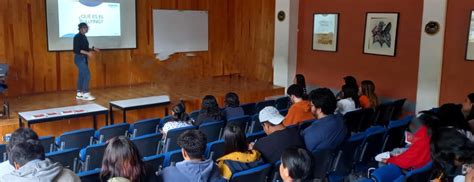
(84, 73)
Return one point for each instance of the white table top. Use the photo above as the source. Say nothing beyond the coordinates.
(143, 101)
(274, 97)
(61, 111)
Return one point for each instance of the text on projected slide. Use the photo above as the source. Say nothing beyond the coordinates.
(103, 18)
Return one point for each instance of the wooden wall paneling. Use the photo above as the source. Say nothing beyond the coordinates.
(68, 73)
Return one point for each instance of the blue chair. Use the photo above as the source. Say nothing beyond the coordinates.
(215, 150)
(346, 157)
(75, 139)
(420, 174)
(387, 173)
(67, 157)
(262, 104)
(322, 160)
(48, 143)
(91, 156)
(255, 136)
(395, 136)
(383, 114)
(144, 127)
(353, 120)
(90, 176)
(171, 158)
(170, 142)
(107, 132)
(255, 125)
(282, 103)
(3, 152)
(371, 146)
(213, 130)
(148, 145)
(242, 121)
(194, 115)
(255, 174)
(398, 108)
(283, 112)
(156, 162)
(164, 120)
(275, 172)
(249, 108)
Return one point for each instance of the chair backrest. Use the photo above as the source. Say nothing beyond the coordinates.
(48, 143)
(275, 172)
(3, 152)
(420, 174)
(398, 108)
(68, 158)
(383, 113)
(249, 108)
(242, 121)
(144, 127)
(372, 144)
(90, 176)
(171, 158)
(322, 160)
(255, 136)
(213, 130)
(156, 162)
(367, 119)
(148, 145)
(346, 156)
(194, 115)
(387, 173)
(75, 139)
(262, 104)
(92, 156)
(282, 103)
(255, 174)
(353, 120)
(395, 136)
(283, 112)
(215, 150)
(255, 125)
(107, 132)
(171, 140)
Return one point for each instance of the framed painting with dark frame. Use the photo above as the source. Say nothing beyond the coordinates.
(325, 31)
(380, 35)
(470, 38)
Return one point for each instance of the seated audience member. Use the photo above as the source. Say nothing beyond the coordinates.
(296, 165)
(418, 153)
(31, 165)
(351, 82)
(232, 106)
(329, 130)
(368, 99)
(278, 137)
(350, 100)
(122, 161)
(180, 118)
(237, 156)
(451, 116)
(209, 111)
(452, 150)
(300, 81)
(194, 167)
(468, 110)
(18, 136)
(300, 110)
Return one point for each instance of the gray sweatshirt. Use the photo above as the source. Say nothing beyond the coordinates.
(199, 171)
(40, 170)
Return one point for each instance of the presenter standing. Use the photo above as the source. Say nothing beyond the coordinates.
(82, 53)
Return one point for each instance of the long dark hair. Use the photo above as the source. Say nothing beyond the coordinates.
(470, 116)
(368, 89)
(234, 139)
(350, 92)
(209, 106)
(301, 81)
(232, 100)
(179, 111)
(121, 159)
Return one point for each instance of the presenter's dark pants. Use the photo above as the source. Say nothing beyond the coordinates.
(84, 73)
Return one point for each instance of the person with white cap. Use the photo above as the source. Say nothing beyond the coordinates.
(278, 136)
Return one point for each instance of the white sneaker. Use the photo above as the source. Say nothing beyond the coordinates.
(87, 96)
(79, 95)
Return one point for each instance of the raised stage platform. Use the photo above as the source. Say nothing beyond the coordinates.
(191, 92)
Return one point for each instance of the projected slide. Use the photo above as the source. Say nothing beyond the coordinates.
(103, 18)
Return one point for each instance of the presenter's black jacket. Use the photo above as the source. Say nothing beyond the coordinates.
(80, 43)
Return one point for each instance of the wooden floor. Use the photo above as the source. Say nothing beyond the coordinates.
(189, 91)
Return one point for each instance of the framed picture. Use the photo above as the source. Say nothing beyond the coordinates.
(381, 33)
(470, 39)
(325, 32)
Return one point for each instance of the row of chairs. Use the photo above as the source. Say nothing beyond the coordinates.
(392, 173)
